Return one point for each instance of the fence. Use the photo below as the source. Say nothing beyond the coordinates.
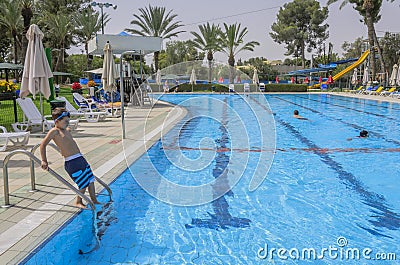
(8, 111)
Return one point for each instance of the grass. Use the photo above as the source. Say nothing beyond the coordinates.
(7, 108)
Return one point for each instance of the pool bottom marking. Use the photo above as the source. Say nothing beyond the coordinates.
(222, 219)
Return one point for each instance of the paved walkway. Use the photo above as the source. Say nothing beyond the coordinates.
(34, 216)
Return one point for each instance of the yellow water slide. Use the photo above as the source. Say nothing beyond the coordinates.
(347, 69)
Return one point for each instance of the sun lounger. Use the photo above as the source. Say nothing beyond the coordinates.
(33, 119)
(388, 92)
(17, 138)
(377, 91)
(90, 116)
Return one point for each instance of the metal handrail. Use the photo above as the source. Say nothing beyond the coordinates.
(37, 160)
(33, 150)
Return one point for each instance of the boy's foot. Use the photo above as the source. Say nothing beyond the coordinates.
(80, 205)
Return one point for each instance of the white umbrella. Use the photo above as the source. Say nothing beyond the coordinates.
(192, 78)
(109, 74)
(393, 76)
(158, 79)
(398, 77)
(354, 77)
(365, 76)
(35, 78)
(255, 77)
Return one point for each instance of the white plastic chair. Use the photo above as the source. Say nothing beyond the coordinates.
(33, 119)
(246, 87)
(17, 138)
(262, 87)
(90, 116)
(231, 88)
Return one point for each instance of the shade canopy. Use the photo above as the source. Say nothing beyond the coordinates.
(36, 74)
(10, 66)
(61, 74)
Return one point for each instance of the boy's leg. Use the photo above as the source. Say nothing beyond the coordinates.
(92, 193)
(79, 202)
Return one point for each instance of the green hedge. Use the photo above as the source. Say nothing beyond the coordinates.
(285, 88)
(201, 88)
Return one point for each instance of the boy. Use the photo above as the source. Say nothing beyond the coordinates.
(75, 164)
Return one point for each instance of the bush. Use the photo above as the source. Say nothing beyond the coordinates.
(200, 88)
(286, 88)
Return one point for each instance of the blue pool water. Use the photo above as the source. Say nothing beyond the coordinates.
(323, 192)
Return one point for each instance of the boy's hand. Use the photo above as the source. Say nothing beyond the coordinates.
(45, 165)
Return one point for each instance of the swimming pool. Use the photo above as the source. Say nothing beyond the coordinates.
(325, 197)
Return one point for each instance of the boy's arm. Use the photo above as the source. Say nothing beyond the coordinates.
(50, 135)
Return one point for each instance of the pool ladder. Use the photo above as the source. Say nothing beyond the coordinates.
(33, 158)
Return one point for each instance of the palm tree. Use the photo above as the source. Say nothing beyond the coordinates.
(209, 41)
(369, 10)
(60, 27)
(27, 14)
(233, 39)
(155, 22)
(11, 19)
(87, 23)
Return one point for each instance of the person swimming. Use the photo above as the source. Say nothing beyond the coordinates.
(363, 134)
(297, 115)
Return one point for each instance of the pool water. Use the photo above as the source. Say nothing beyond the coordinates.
(319, 193)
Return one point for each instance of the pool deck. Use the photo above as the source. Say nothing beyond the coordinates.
(34, 216)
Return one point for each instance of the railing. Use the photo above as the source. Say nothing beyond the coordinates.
(37, 160)
(34, 159)
(33, 150)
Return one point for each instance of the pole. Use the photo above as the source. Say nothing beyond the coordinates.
(102, 19)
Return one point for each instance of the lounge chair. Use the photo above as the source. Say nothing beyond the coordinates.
(356, 90)
(90, 105)
(246, 87)
(17, 138)
(377, 91)
(231, 88)
(83, 103)
(262, 87)
(33, 119)
(388, 92)
(90, 116)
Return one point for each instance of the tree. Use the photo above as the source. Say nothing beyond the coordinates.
(369, 11)
(300, 26)
(353, 50)
(390, 44)
(181, 51)
(60, 27)
(10, 18)
(87, 23)
(232, 43)
(208, 41)
(27, 14)
(264, 69)
(155, 22)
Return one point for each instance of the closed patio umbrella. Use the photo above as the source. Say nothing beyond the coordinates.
(398, 76)
(109, 74)
(277, 79)
(292, 80)
(192, 78)
(36, 74)
(365, 76)
(393, 77)
(158, 80)
(255, 77)
(354, 77)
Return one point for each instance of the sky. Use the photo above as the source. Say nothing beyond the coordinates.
(257, 16)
